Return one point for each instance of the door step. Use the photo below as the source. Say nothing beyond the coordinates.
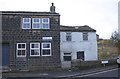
(4, 69)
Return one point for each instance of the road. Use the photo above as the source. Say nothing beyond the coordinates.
(106, 74)
(109, 72)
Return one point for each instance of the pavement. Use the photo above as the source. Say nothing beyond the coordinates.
(54, 74)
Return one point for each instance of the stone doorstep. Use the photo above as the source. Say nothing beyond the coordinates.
(4, 69)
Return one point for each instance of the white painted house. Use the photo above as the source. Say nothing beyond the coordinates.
(77, 42)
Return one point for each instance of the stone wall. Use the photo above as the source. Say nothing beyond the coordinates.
(78, 64)
(12, 33)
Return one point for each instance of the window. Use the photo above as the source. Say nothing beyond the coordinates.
(85, 36)
(26, 23)
(36, 23)
(21, 49)
(80, 55)
(45, 23)
(46, 49)
(34, 49)
(67, 56)
(68, 36)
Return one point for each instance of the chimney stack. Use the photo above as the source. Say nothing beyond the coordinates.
(52, 8)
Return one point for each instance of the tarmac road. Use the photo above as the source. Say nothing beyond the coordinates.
(108, 72)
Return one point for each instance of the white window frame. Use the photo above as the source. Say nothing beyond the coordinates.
(45, 49)
(34, 48)
(36, 23)
(26, 23)
(85, 34)
(21, 49)
(46, 23)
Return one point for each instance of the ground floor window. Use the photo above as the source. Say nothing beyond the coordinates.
(21, 49)
(46, 49)
(34, 49)
(67, 57)
(80, 55)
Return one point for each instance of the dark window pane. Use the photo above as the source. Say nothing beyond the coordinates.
(19, 46)
(80, 55)
(68, 37)
(85, 36)
(67, 53)
(36, 20)
(23, 45)
(45, 26)
(23, 52)
(19, 52)
(26, 25)
(35, 46)
(46, 45)
(36, 25)
(67, 58)
(45, 20)
(35, 52)
(46, 52)
(26, 20)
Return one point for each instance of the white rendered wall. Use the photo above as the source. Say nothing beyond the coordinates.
(78, 44)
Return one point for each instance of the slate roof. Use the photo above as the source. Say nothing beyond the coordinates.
(27, 13)
(85, 28)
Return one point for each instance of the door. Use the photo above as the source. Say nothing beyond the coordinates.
(80, 55)
(21, 62)
(66, 63)
(5, 55)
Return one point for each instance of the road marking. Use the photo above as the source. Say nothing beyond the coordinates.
(98, 72)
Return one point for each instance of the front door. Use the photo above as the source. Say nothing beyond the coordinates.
(5, 55)
(21, 61)
(66, 63)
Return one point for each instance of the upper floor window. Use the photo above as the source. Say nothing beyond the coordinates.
(36, 23)
(34, 49)
(85, 36)
(21, 49)
(68, 36)
(26, 23)
(45, 23)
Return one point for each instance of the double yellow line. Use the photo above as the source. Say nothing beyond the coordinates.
(98, 72)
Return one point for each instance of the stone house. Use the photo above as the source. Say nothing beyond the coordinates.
(36, 41)
(31, 40)
(77, 43)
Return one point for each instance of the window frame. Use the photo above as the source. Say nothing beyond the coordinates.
(68, 34)
(67, 54)
(26, 23)
(46, 23)
(21, 49)
(35, 48)
(45, 49)
(85, 34)
(36, 23)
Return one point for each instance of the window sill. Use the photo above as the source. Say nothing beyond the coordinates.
(68, 41)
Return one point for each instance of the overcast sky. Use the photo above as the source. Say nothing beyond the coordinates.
(101, 15)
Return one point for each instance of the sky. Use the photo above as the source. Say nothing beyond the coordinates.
(101, 15)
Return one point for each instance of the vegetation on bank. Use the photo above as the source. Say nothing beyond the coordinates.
(109, 48)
